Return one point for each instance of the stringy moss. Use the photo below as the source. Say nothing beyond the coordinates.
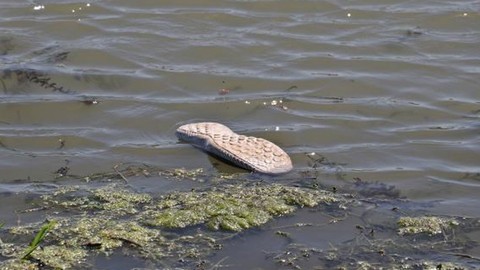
(429, 225)
(233, 208)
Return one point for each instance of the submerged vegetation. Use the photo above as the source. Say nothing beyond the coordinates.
(367, 250)
(104, 219)
(183, 229)
(429, 225)
(23, 75)
(232, 208)
(19, 72)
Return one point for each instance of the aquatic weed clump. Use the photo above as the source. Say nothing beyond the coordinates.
(184, 173)
(113, 217)
(121, 201)
(115, 199)
(233, 208)
(429, 225)
(73, 239)
(43, 250)
(103, 234)
(60, 257)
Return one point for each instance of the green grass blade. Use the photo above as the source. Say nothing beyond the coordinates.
(39, 238)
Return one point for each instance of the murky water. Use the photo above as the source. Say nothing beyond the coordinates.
(380, 91)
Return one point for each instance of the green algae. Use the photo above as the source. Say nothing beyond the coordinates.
(121, 201)
(88, 232)
(113, 217)
(132, 233)
(60, 257)
(232, 208)
(429, 225)
(184, 173)
(388, 249)
(113, 198)
(374, 254)
(105, 235)
(70, 242)
(17, 264)
(123, 172)
(172, 218)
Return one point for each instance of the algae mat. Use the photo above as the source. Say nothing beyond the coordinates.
(104, 215)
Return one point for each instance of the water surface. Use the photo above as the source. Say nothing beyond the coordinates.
(381, 91)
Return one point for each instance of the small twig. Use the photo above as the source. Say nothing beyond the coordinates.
(4, 86)
(119, 173)
(296, 225)
(31, 210)
(465, 256)
(218, 264)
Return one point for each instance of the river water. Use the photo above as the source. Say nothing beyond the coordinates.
(383, 91)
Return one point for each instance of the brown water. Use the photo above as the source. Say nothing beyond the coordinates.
(386, 91)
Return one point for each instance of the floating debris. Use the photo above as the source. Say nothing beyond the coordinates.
(251, 153)
(90, 101)
(223, 91)
(62, 171)
(38, 7)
